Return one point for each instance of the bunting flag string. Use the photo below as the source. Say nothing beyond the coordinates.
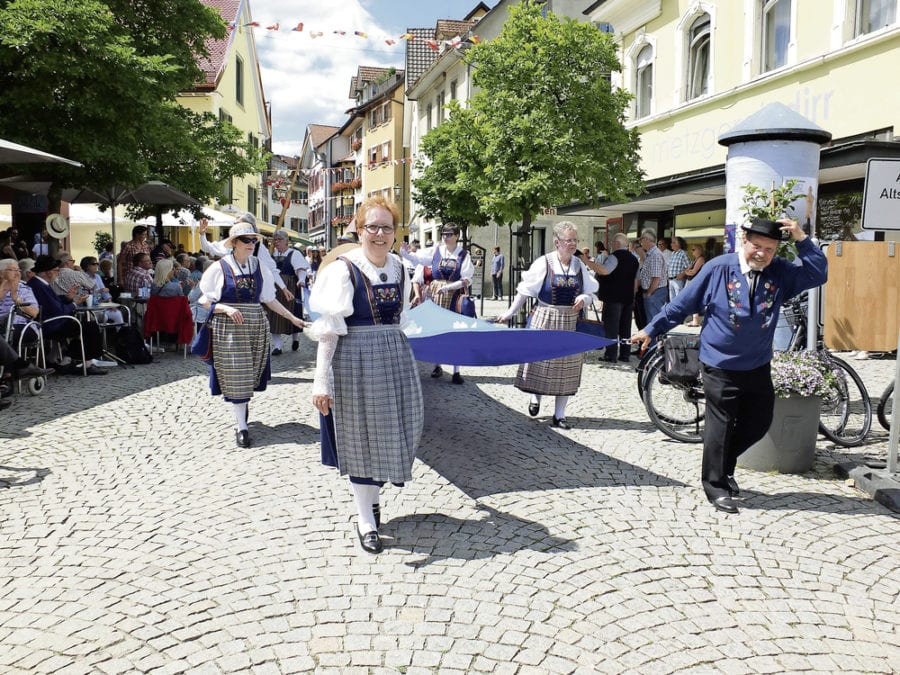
(389, 40)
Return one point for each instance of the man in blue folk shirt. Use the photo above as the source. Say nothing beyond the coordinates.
(740, 295)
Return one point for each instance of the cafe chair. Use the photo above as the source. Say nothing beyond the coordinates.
(169, 315)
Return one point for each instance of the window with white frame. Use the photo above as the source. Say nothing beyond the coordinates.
(643, 82)
(698, 57)
(428, 118)
(441, 104)
(871, 15)
(386, 151)
(776, 33)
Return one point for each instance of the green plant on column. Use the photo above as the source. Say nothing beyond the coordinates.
(101, 241)
(772, 204)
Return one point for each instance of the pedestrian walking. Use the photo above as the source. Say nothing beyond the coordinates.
(366, 385)
(498, 262)
(232, 290)
(678, 264)
(742, 294)
(562, 286)
(617, 294)
(292, 267)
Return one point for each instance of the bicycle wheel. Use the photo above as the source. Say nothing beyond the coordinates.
(648, 359)
(676, 410)
(846, 415)
(886, 407)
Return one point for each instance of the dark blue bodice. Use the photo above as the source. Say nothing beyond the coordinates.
(283, 263)
(446, 269)
(241, 288)
(561, 289)
(374, 305)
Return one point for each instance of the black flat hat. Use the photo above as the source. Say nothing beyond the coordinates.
(45, 263)
(767, 228)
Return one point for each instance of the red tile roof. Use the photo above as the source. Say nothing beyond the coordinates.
(218, 49)
(319, 133)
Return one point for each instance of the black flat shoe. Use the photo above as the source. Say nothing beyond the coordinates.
(733, 489)
(437, 372)
(561, 423)
(534, 409)
(376, 511)
(725, 504)
(295, 345)
(5, 403)
(456, 379)
(276, 352)
(370, 542)
(242, 438)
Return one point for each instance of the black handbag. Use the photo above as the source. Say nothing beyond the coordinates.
(590, 326)
(201, 345)
(682, 354)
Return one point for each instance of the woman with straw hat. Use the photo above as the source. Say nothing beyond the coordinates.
(232, 291)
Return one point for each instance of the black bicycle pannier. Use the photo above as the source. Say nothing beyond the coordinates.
(682, 354)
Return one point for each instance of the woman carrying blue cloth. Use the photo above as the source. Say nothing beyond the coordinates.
(366, 386)
(563, 286)
(232, 290)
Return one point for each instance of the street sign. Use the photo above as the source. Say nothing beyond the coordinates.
(881, 195)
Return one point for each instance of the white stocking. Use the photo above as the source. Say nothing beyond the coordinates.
(277, 342)
(240, 415)
(362, 494)
(561, 402)
(536, 398)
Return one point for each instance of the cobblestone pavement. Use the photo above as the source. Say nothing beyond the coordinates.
(136, 538)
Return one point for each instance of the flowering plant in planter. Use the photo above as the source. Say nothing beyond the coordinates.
(802, 373)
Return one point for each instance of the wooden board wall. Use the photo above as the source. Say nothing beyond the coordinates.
(862, 296)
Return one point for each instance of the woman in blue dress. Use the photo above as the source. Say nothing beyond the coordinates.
(366, 386)
(232, 290)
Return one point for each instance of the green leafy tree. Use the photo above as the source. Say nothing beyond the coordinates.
(772, 204)
(549, 125)
(97, 81)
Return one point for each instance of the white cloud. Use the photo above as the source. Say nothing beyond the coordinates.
(307, 79)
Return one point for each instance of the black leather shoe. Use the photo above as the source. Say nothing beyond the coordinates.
(376, 511)
(32, 371)
(733, 488)
(370, 542)
(6, 390)
(5, 403)
(437, 372)
(295, 345)
(456, 379)
(242, 438)
(276, 352)
(725, 504)
(561, 423)
(534, 409)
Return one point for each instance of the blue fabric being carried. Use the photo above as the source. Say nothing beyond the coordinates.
(438, 335)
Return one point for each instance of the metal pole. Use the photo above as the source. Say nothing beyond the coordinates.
(895, 418)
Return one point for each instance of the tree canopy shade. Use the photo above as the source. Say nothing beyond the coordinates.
(96, 80)
(545, 128)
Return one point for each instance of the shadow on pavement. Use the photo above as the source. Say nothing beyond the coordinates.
(809, 501)
(37, 476)
(439, 537)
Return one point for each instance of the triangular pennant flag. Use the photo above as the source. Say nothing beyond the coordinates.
(432, 44)
(274, 26)
(315, 34)
(339, 32)
(389, 42)
(232, 25)
(408, 36)
(361, 34)
(298, 27)
(475, 39)
(255, 24)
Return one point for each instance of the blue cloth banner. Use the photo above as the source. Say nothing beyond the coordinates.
(437, 335)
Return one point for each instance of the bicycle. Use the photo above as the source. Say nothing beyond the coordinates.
(678, 410)
(886, 407)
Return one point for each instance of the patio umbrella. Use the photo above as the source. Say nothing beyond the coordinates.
(436, 333)
(152, 192)
(13, 153)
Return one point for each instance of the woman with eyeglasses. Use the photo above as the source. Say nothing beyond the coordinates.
(366, 386)
(232, 290)
(562, 286)
(451, 272)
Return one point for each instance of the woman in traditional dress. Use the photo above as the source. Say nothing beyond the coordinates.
(366, 386)
(232, 290)
(562, 286)
(292, 266)
(451, 270)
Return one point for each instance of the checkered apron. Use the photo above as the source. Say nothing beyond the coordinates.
(556, 377)
(278, 325)
(240, 352)
(380, 418)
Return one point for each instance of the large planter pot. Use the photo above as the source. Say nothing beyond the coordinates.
(789, 445)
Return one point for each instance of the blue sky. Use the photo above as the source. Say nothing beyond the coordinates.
(307, 79)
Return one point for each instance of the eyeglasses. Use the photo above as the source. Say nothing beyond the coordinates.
(246, 240)
(447, 235)
(379, 229)
(14, 270)
(568, 241)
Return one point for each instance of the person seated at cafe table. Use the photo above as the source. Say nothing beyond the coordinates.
(139, 276)
(46, 270)
(165, 285)
(69, 276)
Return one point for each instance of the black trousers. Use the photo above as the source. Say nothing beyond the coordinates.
(739, 407)
(616, 325)
(640, 316)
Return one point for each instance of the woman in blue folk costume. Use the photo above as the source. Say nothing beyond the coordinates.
(563, 286)
(451, 270)
(366, 386)
(234, 290)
